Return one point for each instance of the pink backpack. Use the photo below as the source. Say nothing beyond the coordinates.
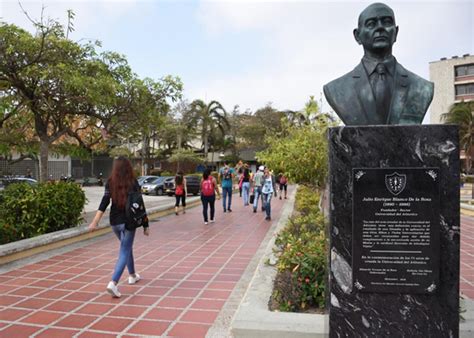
(207, 187)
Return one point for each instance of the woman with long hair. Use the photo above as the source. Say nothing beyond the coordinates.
(246, 185)
(268, 189)
(120, 183)
(180, 192)
(209, 190)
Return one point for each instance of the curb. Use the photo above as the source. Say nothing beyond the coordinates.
(466, 209)
(32, 246)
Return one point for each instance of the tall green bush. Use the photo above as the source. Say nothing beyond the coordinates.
(301, 153)
(27, 211)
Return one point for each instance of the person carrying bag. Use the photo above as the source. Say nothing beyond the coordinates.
(209, 190)
(127, 213)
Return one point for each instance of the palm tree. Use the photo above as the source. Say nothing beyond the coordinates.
(209, 119)
(462, 114)
(306, 116)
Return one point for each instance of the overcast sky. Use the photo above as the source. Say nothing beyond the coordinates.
(254, 52)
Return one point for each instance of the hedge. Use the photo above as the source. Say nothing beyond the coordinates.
(28, 211)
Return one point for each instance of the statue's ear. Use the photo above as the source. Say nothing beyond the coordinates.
(356, 35)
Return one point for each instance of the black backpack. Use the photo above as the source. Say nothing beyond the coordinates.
(135, 211)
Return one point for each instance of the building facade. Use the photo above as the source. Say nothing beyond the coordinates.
(454, 82)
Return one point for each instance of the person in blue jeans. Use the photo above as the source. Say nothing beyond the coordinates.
(268, 189)
(121, 182)
(246, 185)
(257, 187)
(226, 175)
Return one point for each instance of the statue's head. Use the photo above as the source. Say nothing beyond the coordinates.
(376, 30)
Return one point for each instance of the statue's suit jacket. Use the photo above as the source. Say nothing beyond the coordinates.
(352, 98)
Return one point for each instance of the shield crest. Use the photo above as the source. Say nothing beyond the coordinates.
(395, 183)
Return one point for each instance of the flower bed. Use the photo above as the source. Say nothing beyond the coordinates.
(300, 285)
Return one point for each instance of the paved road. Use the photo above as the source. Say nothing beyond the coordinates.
(94, 196)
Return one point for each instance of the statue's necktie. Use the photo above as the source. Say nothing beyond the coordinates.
(382, 92)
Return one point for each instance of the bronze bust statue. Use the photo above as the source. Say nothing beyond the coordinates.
(379, 90)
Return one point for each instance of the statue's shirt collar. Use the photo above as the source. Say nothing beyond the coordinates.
(370, 64)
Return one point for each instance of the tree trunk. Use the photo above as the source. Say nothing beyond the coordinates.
(206, 148)
(143, 156)
(468, 160)
(43, 161)
(180, 139)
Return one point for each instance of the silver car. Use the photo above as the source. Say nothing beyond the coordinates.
(156, 186)
(145, 179)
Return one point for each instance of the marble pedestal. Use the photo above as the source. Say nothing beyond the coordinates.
(424, 302)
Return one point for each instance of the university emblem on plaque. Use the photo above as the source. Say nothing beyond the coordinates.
(395, 183)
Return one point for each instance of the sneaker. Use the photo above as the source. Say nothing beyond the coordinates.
(268, 218)
(205, 223)
(229, 210)
(225, 210)
(113, 290)
(133, 280)
(212, 221)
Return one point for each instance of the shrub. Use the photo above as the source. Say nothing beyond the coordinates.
(302, 257)
(27, 211)
(167, 173)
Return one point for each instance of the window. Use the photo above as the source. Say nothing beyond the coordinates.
(465, 89)
(464, 70)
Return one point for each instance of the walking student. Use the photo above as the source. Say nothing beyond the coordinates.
(226, 174)
(180, 192)
(121, 182)
(283, 181)
(209, 190)
(246, 185)
(268, 189)
(257, 187)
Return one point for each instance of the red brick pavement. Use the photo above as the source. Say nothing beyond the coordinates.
(467, 256)
(189, 270)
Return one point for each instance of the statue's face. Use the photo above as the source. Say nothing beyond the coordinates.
(377, 30)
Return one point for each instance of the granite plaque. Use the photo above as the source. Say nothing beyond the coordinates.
(390, 151)
(395, 230)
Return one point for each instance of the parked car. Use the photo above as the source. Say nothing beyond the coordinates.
(145, 179)
(6, 181)
(156, 186)
(193, 186)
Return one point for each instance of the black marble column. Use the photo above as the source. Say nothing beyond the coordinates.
(358, 311)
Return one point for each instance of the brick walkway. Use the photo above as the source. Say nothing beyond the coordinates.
(189, 270)
(467, 256)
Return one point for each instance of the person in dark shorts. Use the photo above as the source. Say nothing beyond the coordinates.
(283, 181)
(180, 192)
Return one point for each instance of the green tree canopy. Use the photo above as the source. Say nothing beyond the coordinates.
(53, 81)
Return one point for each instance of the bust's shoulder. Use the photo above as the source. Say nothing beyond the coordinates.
(414, 80)
(342, 80)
